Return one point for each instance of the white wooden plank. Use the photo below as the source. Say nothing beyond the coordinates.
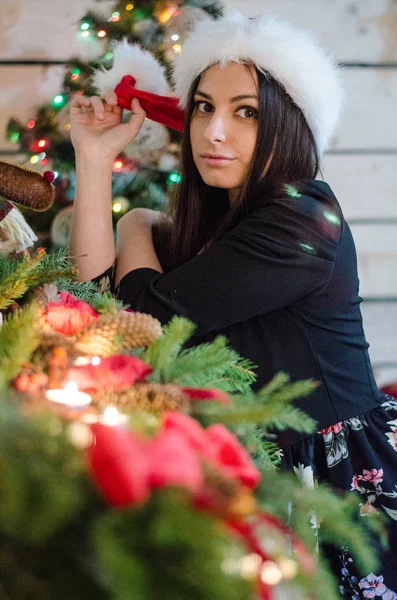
(368, 119)
(352, 30)
(366, 186)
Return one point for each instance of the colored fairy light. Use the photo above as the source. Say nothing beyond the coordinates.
(85, 33)
(115, 16)
(44, 161)
(174, 178)
(271, 573)
(175, 37)
(42, 143)
(74, 76)
(129, 6)
(31, 124)
(117, 207)
(118, 164)
(101, 33)
(109, 55)
(177, 48)
(58, 101)
(34, 159)
(14, 137)
(42, 155)
(55, 174)
(84, 26)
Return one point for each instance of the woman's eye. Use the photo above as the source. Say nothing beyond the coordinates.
(203, 106)
(247, 112)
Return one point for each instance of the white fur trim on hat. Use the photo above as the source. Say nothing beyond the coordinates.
(131, 59)
(292, 56)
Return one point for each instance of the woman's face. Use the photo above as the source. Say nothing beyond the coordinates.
(224, 125)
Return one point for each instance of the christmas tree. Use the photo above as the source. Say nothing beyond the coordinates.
(149, 166)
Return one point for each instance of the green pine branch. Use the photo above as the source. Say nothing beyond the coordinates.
(19, 338)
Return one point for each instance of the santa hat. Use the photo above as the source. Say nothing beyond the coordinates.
(26, 188)
(291, 56)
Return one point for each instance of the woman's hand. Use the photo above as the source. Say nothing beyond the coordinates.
(97, 129)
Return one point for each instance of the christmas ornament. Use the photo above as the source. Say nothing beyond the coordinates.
(146, 397)
(61, 227)
(26, 188)
(149, 143)
(124, 330)
(70, 315)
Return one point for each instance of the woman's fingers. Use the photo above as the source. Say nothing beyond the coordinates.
(79, 101)
(137, 115)
(98, 107)
(110, 97)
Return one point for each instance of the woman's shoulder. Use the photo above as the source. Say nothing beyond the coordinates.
(309, 205)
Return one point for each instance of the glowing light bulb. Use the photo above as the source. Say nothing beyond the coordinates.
(42, 143)
(14, 137)
(112, 417)
(58, 100)
(84, 26)
(175, 37)
(85, 33)
(271, 573)
(118, 164)
(129, 6)
(34, 159)
(95, 361)
(31, 124)
(101, 33)
(177, 48)
(117, 207)
(109, 55)
(115, 16)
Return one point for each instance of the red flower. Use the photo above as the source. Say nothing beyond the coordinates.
(112, 372)
(191, 430)
(337, 428)
(119, 461)
(206, 394)
(70, 315)
(174, 462)
(230, 455)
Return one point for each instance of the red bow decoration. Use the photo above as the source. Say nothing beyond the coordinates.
(162, 109)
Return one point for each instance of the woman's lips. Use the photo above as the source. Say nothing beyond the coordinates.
(216, 161)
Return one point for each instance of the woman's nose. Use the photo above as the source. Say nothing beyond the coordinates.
(215, 130)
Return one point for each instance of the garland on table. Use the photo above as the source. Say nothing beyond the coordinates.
(123, 462)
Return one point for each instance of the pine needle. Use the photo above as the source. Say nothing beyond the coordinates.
(18, 340)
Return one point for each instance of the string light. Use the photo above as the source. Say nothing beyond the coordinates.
(58, 101)
(118, 165)
(85, 33)
(101, 33)
(109, 55)
(95, 361)
(67, 127)
(34, 159)
(115, 16)
(129, 6)
(42, 143)
(177, 48)
(75, 74)
(175, 37)
(117, 207)
(42, 155)
(31, 124)
(174, 178)
(84, 26)
(14, 137)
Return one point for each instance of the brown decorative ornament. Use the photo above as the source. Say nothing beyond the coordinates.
(114, 333)
(145, 397)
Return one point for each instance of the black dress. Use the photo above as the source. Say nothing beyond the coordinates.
(282, 286)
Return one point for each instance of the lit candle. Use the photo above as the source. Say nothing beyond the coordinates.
(112, 417)
(70, 395)
(81, 361)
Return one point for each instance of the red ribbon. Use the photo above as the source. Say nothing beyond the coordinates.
(162, 109)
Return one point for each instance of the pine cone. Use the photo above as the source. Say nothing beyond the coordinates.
(114, 333)
(147, 397)
(42, 295)
(49, 340)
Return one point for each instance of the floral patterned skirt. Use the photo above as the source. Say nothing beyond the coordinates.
(357, 455)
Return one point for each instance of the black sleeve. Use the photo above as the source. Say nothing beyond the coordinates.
(279, 255)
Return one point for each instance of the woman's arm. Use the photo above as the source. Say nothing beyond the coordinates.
(135, 249)
(92, 243)
(98, 136)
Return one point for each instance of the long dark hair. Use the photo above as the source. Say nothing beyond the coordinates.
(199, 214)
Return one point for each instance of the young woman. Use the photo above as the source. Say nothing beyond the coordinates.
(253, 247)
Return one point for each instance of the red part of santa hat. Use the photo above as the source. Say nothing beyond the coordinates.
(162, 109)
